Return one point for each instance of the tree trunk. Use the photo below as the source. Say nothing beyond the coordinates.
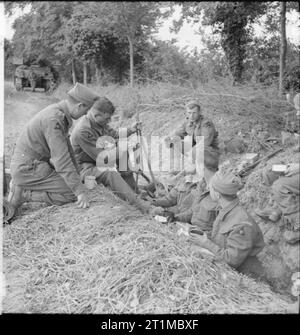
(131, 60)
(283, 46)
(85, 72)
(73, 72)
(98, 65)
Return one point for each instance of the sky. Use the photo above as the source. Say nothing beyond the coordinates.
(187, 36)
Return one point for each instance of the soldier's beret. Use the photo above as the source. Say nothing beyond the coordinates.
(227, 183)
(83, 94)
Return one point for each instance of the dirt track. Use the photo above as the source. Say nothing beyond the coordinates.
(20, 107)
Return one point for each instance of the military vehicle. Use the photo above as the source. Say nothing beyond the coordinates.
(34, 76)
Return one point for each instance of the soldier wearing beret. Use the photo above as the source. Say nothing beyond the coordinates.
(85, 141)
(42, 166)
(236, 238)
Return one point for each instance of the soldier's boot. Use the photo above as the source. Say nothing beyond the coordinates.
(269, 213)
(16, 197)
(15, 200)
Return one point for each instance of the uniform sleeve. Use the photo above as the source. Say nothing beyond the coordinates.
(87, 141)
(238, 246)
(208, 131)
(60, 156)
(181, 131)
(169, 200)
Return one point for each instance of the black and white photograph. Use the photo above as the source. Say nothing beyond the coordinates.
(150, 161)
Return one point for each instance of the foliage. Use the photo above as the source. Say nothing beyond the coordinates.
(262, 58)
(8, 59)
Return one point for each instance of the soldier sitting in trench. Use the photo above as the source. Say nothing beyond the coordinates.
(285, 197)
(85, 142)
(204, 210)
(236, 238)
(189, 188)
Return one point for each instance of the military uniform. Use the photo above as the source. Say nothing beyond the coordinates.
(202, 213)
(286, 193)
(42, 162)
(83, 139)
(237, 239)
(181, 196)
(203, 127)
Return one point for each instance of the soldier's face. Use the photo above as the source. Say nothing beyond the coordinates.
(193, 114)
(100, 117)
(79, 110)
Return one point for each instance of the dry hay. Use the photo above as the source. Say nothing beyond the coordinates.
(106, 260)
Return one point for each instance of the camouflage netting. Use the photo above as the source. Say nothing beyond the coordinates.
(111, 259)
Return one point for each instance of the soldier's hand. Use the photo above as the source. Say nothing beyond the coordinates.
(82, 201)
(136, 126)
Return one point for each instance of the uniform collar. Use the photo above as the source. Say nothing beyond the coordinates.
(96, 126)
(224, 211)
(195, 123)
(64, 108)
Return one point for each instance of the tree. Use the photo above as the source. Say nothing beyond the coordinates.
(130, 20)
(232, 20)
(283, 45)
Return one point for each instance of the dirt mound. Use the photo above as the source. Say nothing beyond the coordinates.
(111, 259)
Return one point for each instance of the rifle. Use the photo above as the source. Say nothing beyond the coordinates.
(244, 172)
(143, 147)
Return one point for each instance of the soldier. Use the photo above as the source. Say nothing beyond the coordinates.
(189, 193)
(285, 198)
(181, 196)
(84, 139)
(196, 125)
(42, 167)
(235, 238)
(204, 210)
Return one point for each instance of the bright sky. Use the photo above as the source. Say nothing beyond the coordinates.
(187, 36)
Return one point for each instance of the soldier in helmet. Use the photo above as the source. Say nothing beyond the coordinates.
(42, 166)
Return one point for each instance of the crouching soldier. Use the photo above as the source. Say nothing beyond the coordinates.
(285, 200)
(85, 138)
(42, 166)
(236, 238)
(195, 125)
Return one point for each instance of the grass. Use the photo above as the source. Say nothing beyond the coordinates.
(121, 262)
(110, 258)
